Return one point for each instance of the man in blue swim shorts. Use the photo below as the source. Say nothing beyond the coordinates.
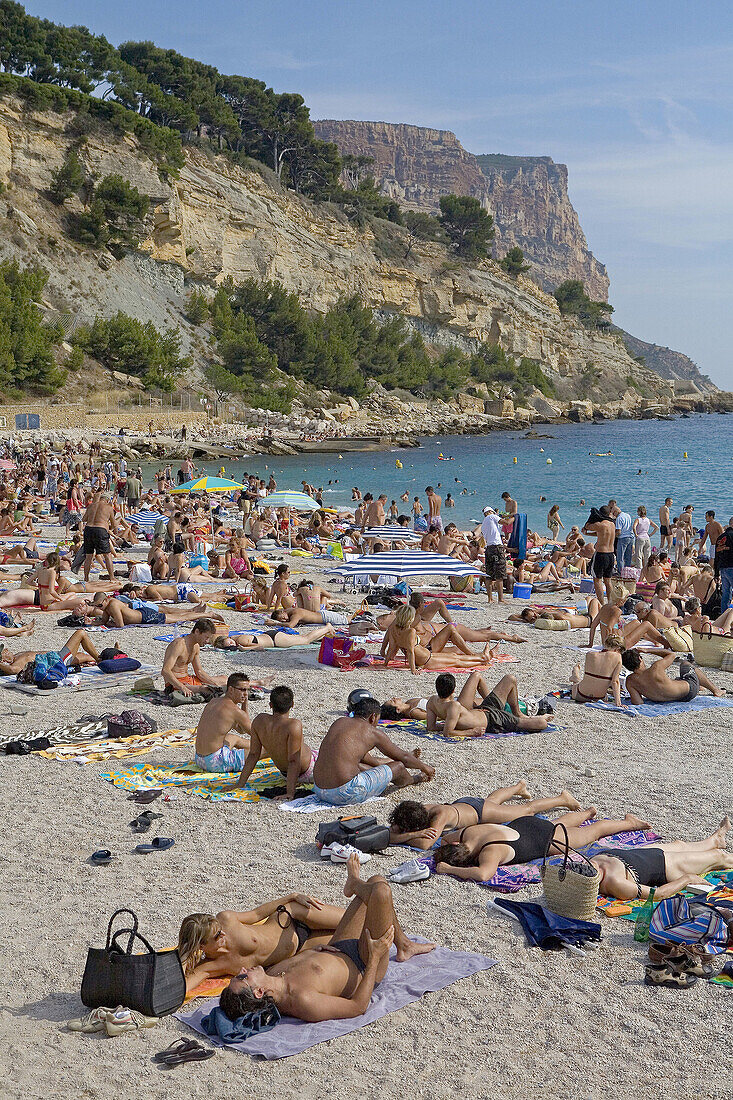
(347, 771)
(222, 740)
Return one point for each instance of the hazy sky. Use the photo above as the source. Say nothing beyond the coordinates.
(632, 96)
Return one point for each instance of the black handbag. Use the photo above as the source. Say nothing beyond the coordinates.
(361, 832)
(151, 982)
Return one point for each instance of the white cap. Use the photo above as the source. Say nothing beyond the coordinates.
(489, 511)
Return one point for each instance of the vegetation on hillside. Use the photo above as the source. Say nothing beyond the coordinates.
(513, 262)
(467, 225)
(134, 347)
(574, 302)
(26, 343)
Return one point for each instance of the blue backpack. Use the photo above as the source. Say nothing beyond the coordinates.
(692, 921)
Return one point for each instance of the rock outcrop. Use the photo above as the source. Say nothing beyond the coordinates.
(527, 196)
(672, 365)
(218, 220)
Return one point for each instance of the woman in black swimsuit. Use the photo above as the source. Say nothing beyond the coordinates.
(628, 873)
(279, 639)
(476, 852)
(420, 825)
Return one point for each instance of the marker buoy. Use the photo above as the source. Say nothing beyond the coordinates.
(514, 461)
(684, 454)
(549, 462)
(398, 464)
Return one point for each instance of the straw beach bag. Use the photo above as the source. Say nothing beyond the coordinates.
(571, 887)
(709, 648)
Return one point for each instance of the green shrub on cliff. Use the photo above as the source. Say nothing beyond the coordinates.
(66, 180)
(513, 262)
(114, 216)
(26, 343)
(574, 302)
(134, 347)
(469, 228)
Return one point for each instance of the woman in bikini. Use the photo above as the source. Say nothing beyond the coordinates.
(178, 570)
(402, 637)
(576, 619)
(476, 852)
(276, 638)
(600, 673)
(643, 625)
(46, 596)
(222, 945)
(420, 825)
(236, 562)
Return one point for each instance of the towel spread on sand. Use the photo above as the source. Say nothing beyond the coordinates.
(189, 777)
(88, 678)
(628, 910)
(510, 879)
(402, 984)
(419, 729)
(311, 804)
(83, 752)
(663, 710)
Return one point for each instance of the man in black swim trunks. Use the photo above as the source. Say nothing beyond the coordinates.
(334, 982)
(653, 685)
(478, 709)
(604, 558)
(98, 519)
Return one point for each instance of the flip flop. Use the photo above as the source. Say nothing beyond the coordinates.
(158, 844)
(142, 823)
(180, 1046)
(144, 797)
(101, 858)
(197, 1054)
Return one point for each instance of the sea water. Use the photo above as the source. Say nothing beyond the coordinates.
(689, 459)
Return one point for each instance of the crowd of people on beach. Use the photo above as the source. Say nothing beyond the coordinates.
(153, 556)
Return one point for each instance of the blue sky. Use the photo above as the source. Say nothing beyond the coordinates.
(633, 97)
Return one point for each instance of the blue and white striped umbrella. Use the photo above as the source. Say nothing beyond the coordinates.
(286, 498)
(407, 563)
(145, 518)
(392, 532)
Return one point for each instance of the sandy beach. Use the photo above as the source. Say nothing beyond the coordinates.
(538, 1021)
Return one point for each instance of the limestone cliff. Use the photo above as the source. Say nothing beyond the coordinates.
(219, 220)
(673, 365)
(527, 196)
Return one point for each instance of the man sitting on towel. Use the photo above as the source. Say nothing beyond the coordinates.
(347, 772)
(221, 736)
(336, 981)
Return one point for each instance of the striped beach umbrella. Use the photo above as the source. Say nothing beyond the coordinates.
(408, 563)
(145, 518)
(392, 532)
(293, 501)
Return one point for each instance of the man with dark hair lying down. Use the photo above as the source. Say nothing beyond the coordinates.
(334, 982)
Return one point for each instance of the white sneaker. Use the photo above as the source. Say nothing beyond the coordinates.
(93, 1021)
(126, 1019)
(342, 853)
(412, 871)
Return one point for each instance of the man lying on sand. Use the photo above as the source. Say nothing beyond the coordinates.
(182, 653)
(221, 735)
(225, 944)
(421, 824)
(125, 612)
(336, 981)
(280, 737)
(628, 873)
(347, 772)
(653, 685)
(480, 709)
(69, 654)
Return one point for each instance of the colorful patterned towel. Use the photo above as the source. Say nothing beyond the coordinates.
(420, 729)
(628, 910)
(208, 785)
(83, 752)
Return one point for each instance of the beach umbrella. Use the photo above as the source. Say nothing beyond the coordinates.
(209, 485)
(290, 499)
(145, 518)
(392, 532)
(7, 464)
(407, 563)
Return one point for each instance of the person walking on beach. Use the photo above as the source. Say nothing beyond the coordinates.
(604, 528)
(98, 519)
(665, 524)
(434, 503)
(554, 523)
(495, 555)
(643, 527)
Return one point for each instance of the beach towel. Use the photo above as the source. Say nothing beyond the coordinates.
(83, 752)
(190, 778)
(312, 804)
(402, 984)
(510, 879)
(419, 729)
(545, 929)
(89, 678)
(629, 910)
(663, 710)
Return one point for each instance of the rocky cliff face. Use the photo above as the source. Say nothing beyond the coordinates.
(673, 365)
(527, 196)
(220, 220)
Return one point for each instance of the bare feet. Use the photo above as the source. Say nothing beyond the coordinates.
(721, 833)
(407, 948)
(522, 791)
(718, 692)
(590, 812)
(353, 875)
(570, 801)
(635, 822)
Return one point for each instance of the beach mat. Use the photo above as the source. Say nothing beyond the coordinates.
(418, 728)
(88, 678)
(402, 984)
(85, 752)
(190, 778)
(663, 710)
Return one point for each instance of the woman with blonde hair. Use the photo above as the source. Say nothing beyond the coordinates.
(402, 637)
(221, 946)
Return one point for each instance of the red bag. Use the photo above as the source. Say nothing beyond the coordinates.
(331, 648)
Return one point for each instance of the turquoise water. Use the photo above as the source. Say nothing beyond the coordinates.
(484, 465)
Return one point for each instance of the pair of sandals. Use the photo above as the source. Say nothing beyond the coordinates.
(142, 823)
(182, 1051)
(676, 966)
(104, 856)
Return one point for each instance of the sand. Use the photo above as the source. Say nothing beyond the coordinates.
(537, 1024)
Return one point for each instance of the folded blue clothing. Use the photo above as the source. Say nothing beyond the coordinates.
(549, 930)
(663, 710)
(218, 1026)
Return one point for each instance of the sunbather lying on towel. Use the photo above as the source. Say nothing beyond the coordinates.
(395, 709)
(335, 981)
(424, 613)
(479, 708)
(346, 770)
(402, 637)
(628, 873)
(280, 737)
(653, 685)
(476, 852)
(275, 638)
(222, 737)
(420, 825)
(178, 593)
(109, 611)
(69, 653)
(575, 619)
(224, 945)
(296, 616)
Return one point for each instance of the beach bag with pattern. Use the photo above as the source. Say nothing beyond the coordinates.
(151, 982)
(709, 648)
(694, 922)
(333, 648)
(129, 723)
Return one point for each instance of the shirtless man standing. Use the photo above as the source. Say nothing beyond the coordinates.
(434, 503)
(334, 982)
(182, 652)
(98, 519)
(713, 530)
(220, 744)
(653, 685)
(280, 737)
(450, 716)
(346, 770)
(665, 525)
(604, 559)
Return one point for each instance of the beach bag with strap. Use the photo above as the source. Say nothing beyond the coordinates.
(130, 723)
(333, 648)
(695, 922)
(361, 832)
(151, 982)
(571, 887)
(709, 649)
